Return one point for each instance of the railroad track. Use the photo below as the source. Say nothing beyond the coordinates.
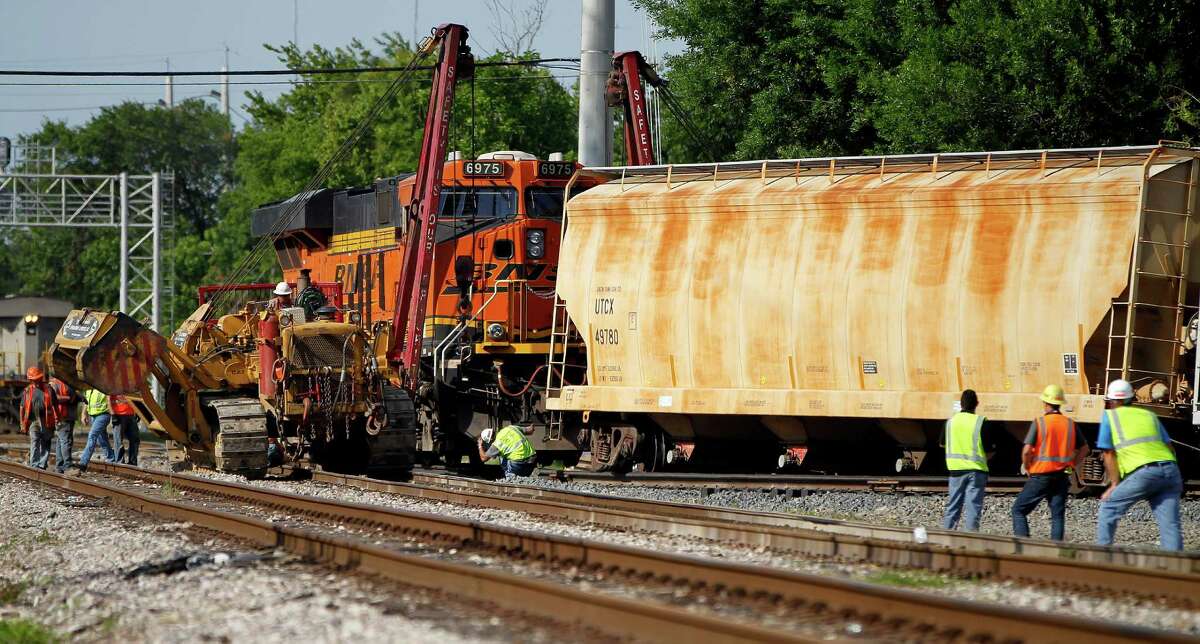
(1144, 558)
(793, 483)
(1105, 560)
(877, 612)
(1114, 568)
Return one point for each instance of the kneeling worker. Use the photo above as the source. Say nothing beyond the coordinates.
(514, 450)
(1052, 447)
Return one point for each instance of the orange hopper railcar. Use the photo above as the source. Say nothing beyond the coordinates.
(491, 298)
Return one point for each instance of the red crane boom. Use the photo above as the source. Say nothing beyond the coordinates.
(625, 89)
(412, 289)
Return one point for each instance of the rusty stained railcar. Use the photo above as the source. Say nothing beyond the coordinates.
(805, 303)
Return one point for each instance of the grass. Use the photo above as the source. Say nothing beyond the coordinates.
(908, 579)
(107, 625)
(169, 491)
(23, 631)
(44, 537)
(10, 592)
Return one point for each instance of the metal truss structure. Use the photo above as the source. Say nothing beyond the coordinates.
(138, 205)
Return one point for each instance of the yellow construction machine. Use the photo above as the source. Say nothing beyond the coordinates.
(236, 386)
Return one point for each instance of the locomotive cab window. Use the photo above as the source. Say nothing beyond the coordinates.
(478, 203)
(546, 203)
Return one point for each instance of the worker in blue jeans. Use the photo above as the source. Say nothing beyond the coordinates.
(1141, 465)
(100, 414)
(510, 445)
(966, 463)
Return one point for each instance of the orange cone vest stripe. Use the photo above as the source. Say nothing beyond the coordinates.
(1055, 444)
(121, 406)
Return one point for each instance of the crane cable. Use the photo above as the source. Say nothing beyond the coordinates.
(249, 261)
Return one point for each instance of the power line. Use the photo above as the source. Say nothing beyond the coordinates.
(112, 57)
(66, 109)
(281, 72)
(291, 82)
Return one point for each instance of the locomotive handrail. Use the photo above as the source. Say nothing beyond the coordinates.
(439, 352)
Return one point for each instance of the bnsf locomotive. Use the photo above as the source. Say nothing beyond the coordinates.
(488, 316)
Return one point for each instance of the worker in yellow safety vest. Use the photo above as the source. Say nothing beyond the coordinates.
(511, 446)
(966, 463)
(98, 413)
(1141, 465)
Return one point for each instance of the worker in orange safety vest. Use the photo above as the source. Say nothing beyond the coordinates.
(38, 417)
(1053, 447)
(65, 400)
(124, 426)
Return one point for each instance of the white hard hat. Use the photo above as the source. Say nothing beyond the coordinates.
(487, 435)
(282, 288)
(1119, 390)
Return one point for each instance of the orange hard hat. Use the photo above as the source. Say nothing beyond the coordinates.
(34, 373)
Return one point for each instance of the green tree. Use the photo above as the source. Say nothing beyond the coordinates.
(83, 265)
(290, 137)
(813, 77)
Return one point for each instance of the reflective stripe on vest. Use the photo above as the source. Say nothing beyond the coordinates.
(97, 402)
(1136, 439)
(512, 444)
(62, 396)
(1055, 443)
(964, 442)
(45, 416)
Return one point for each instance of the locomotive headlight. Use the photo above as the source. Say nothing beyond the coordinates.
(535, 243)
(495, 331)
(355, 317)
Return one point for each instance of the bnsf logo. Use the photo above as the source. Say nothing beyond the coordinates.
(530, 272)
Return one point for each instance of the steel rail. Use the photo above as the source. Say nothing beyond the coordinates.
(778, 482)
(1140, 558)
(851, 599)
(796, 483)
(607, 613)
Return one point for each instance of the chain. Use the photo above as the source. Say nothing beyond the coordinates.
(325, 384)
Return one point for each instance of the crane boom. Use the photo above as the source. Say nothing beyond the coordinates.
(627, 91)
(412, 289)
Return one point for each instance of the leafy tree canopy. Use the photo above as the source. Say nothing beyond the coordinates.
(83, 265)
(787, 78)
(502, 108)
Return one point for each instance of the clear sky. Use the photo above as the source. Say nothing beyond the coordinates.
(145, 34)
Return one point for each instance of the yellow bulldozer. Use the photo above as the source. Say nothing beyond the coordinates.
(254, 387)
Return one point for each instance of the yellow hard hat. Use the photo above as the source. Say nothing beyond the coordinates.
(1053, 395)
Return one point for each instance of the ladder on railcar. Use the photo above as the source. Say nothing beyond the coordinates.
(560, 332)
(1172, 268)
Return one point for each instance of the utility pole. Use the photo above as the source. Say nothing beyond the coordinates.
(169, 82)
(225, 85)
(595, 53)
(416, 23)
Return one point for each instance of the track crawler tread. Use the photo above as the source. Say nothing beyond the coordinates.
(241, 442)
(393, 449)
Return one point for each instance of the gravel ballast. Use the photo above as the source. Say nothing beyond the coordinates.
(1144, 613)
(64, 564)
